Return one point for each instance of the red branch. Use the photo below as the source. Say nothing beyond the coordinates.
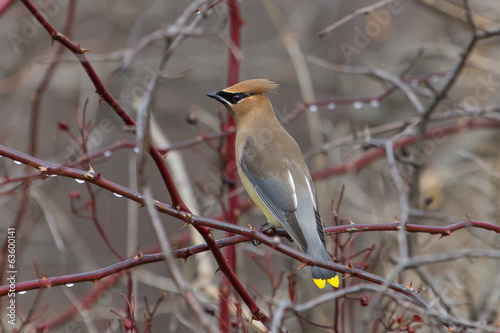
(230, 167)
(245, 234)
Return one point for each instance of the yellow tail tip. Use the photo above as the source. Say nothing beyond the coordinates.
(321, 283)
(334, 281)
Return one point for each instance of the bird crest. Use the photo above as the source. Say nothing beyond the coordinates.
(253, 86)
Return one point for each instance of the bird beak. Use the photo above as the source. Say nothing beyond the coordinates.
(214, 96)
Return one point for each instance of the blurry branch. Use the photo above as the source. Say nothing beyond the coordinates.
(204, 266)
(301, 70)
(378, 73)
(143, 137)
(86, 303)
(84, 313)
(480, 162)
(45, 82)
(127, 55)
(197, 140)
(375, 153)
(353, 15)
(172, 267)
(487, 113)
(456, 71)
(458, 12)
(418, 261)
(403, 246)
(92, 206)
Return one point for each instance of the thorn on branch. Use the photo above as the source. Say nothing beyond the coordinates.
(57, 36)
(445, 234)
(91, 174)
(450, 329)
(302, 266)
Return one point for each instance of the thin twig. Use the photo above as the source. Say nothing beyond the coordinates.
(353, 15)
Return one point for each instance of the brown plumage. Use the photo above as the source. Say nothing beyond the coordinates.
(273, 171)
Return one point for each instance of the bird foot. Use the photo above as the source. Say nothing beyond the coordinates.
(265, 230)
(269, 231)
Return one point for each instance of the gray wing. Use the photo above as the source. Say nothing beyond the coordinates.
(277, 194)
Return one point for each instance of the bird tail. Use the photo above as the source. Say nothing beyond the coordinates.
(322, 275)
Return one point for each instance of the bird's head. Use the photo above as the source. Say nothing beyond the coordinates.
(246, 98)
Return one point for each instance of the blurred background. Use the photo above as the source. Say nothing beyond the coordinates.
(337, 79)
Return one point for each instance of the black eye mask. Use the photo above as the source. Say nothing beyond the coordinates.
(232, 98)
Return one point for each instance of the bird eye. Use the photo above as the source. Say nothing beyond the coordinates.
(236, 98)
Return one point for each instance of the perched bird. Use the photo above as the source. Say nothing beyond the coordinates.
(273, 171)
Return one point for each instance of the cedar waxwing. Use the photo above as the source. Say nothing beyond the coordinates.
(273, 171)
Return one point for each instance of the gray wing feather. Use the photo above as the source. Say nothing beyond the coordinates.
(277, 195)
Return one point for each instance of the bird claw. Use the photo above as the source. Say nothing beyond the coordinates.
(268, 231)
